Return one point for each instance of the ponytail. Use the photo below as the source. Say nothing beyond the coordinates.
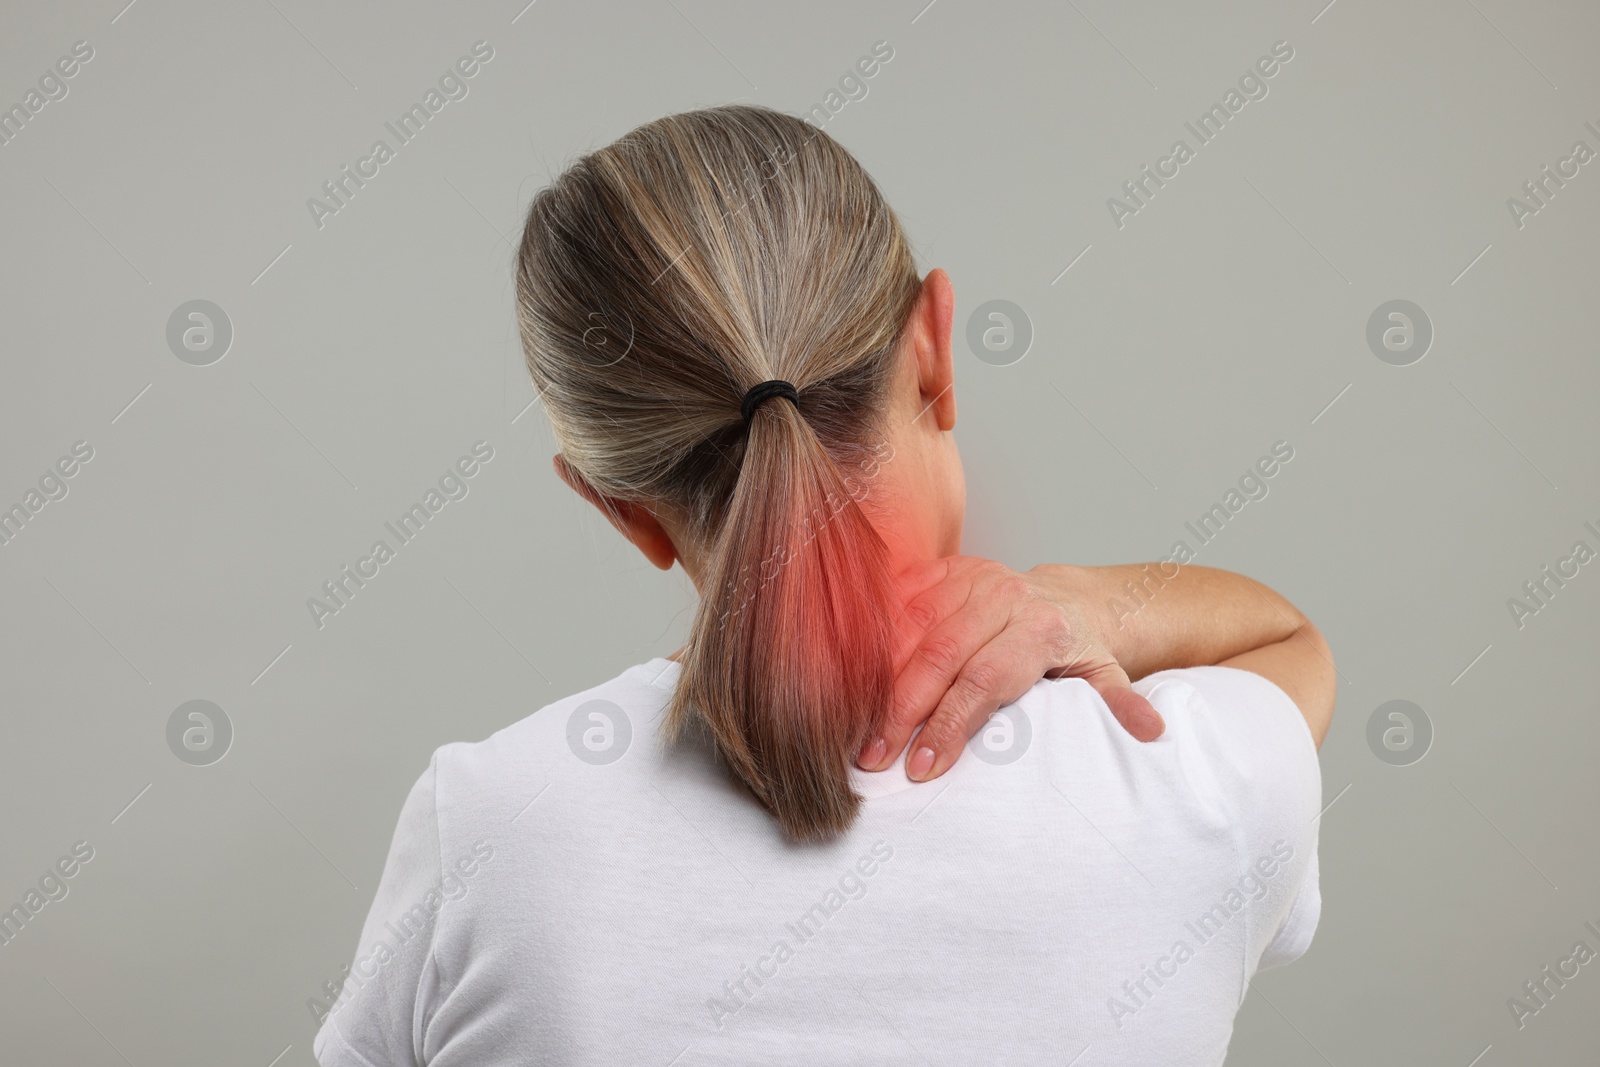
(789, 664)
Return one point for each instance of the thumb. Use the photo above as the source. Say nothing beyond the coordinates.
(1136, 714)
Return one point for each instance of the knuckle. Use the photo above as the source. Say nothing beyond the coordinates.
(941, 733)
(1049, 625)
(1058, 638)
(905, 711)
(943, 653)
(978, 680)
(921, 615)
(1044, 630)
(1016, 587)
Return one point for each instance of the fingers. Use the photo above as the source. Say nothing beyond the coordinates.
(937, 633)
(998, 674)
(972, 637)
(930, 669)
(923, 613)
(992, 679)
(931, 592)
(1136, 714)
(936, 657)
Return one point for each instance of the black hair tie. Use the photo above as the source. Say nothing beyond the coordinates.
(760, 394)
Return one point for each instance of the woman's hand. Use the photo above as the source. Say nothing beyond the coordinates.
(975, 635)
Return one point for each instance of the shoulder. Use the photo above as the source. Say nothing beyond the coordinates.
(476, 781)
(1254, 736)
(1236, 749)
(1245, 750)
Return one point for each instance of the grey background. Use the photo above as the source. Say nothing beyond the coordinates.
(371, 353)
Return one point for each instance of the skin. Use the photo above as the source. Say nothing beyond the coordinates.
(973, 634)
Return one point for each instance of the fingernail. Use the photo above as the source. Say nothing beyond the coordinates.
(872, 755)
(920, 763)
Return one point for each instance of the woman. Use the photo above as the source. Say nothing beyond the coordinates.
(728, 856)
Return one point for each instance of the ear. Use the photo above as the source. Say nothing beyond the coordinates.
(633, 521)
(932, 318)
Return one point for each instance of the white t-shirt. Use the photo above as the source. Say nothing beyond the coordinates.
(570, 892)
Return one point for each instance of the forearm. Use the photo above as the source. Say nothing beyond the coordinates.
(1156, 616)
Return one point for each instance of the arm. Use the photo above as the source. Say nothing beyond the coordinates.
(1154, 617)
(973, 635)
(1302, 666)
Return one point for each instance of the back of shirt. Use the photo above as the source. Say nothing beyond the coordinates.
(570, 891)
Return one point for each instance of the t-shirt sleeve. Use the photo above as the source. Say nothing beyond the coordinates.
(378, 1018)
(1256, 757)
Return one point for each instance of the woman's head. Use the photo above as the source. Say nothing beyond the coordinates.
(659, 279)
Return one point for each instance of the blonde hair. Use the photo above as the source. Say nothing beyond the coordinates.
(659, 279)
